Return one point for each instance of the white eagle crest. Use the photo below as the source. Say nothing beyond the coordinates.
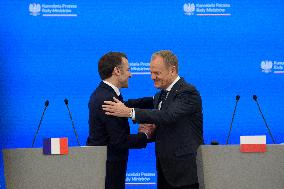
(266, 66)
(34, 9)
(188, 8)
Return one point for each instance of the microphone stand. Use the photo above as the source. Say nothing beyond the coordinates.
(231, 125)
(255, 99)
(77, 138)
(46, 104)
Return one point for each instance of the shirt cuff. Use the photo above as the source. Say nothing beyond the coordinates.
(146, 135)
(133, 116)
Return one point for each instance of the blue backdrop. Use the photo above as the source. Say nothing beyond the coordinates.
(49, 50)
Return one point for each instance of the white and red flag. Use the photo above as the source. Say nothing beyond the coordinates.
(253, 143)
(55, 146)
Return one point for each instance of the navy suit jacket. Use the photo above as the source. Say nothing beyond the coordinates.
(111, 131)
(179, 132)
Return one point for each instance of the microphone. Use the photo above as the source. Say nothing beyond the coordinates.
(231, 125)
(45, 104)
(255, 99)
(66, 103)
(214, 142)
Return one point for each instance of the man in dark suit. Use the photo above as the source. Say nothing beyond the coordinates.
(178, 116)
(111, 131)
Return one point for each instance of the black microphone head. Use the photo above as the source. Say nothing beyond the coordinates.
(46, 103)
(238, 97)
(66, 101)
(214, 142)
(254, 97)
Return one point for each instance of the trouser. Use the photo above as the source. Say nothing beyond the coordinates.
(115, 175)
(163, 183)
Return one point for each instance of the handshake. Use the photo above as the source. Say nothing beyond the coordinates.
(148, 129)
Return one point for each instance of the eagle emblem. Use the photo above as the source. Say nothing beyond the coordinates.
(34, 9)
(266, 66)
(188, 8)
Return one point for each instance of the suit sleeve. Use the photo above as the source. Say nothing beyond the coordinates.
(118, 132)
(143, 103)
(185, 103)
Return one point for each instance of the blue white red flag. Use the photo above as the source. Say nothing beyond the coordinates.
(55, 146)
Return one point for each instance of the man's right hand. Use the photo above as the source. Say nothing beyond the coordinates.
(148, 129)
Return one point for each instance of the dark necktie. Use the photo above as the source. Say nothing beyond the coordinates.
(163, 96)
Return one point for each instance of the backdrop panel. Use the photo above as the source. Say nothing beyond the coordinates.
(49, 50)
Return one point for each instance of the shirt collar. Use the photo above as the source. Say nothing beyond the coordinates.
(173, 83)
(116, 90)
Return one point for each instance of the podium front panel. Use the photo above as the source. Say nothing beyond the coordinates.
(28, 168)
(225, 167)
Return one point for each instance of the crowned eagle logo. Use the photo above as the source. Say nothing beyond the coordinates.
(34, 9)
(266, 66)
(189, 8)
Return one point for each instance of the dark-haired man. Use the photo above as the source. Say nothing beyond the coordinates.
(111, 131)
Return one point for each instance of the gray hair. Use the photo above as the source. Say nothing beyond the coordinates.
(168, 56)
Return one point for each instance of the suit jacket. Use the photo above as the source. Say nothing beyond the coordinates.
(111, 131)
(179, 132)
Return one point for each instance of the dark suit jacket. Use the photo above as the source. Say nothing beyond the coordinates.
(179, 132)
(111, 131)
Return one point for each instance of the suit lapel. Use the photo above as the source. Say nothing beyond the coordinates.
(172, 94)
(156, 100)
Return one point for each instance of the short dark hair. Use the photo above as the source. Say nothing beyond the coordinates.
(108, 62)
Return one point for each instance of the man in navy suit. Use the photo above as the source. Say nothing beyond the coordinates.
(110, 131)
(178, 117)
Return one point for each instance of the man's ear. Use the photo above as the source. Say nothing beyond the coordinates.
(116, 71)
(173, 69)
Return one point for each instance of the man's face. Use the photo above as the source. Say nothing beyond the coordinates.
(124, 73)
(160, 73)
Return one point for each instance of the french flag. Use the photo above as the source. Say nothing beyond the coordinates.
(253, 143)
(58, 146)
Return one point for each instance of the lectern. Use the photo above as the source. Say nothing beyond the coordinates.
(225, 167)
(28, 168)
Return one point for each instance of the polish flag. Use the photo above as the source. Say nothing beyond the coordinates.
(253, 143)
(57, 146)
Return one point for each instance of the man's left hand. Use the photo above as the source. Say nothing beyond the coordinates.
(116, 108)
